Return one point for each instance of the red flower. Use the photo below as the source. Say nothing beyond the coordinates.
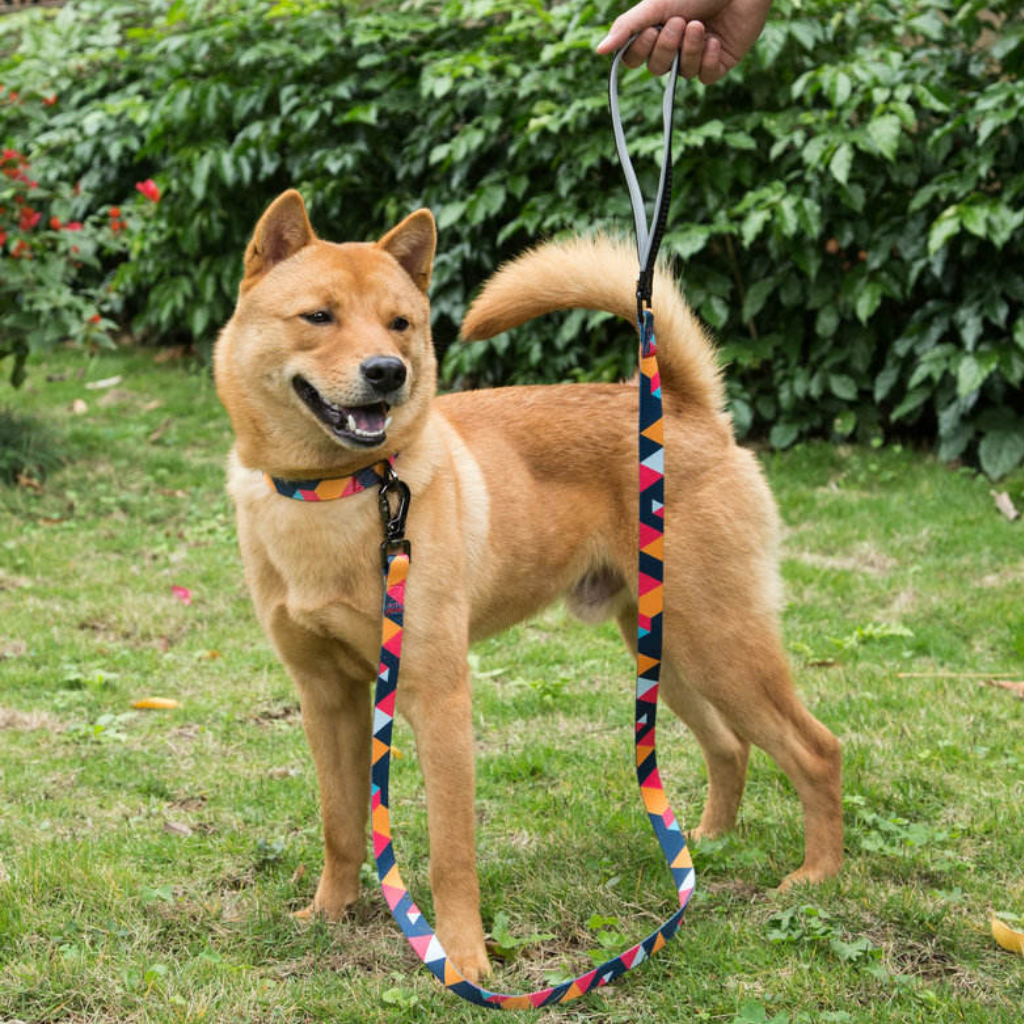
(95, 318)
(49, 101)
(149, 189)
(3, 237)
(115, 211)
(73, 225)
(29, 218)
(117, 225)
(21, 248)
(55, 223)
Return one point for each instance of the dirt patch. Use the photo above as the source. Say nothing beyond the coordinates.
(863, 559)
(26, 721)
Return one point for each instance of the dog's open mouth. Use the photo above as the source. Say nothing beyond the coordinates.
(361, 424)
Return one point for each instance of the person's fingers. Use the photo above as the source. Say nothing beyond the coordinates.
(691, 49)
(641, 49)
(648, 12)
(669, 40)
(713, 65)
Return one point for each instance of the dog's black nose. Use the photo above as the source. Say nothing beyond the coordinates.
(384, 373)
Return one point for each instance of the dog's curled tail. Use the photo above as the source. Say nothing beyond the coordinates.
(600, 273)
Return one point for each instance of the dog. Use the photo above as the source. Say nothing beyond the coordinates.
(520, 496)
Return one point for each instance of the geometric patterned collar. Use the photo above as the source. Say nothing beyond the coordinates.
(332, 487)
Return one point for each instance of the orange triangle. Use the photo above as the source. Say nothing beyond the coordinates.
(644, 662)
(656, 432)
(389, 629)
(382, 820)
(656, 549)
(451, 975)
(654, 800)
(393, 878)
(379, 749)
(658, 943)
(642, 753)
(652, 602)
(574, 992)
(683, 859)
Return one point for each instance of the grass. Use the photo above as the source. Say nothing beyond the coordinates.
(149, 860)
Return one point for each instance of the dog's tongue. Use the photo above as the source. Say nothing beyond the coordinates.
(369, 418)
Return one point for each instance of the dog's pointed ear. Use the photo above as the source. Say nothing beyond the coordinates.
(282, 231)
(412, 243)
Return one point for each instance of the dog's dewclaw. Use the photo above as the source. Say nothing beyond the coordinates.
(155, 703)
(1007, 937)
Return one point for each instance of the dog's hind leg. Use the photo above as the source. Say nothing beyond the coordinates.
(733, 690)
(745, 676)
(725, 753)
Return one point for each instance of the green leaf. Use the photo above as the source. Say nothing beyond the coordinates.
(868, 300)
(973, 371)
(841, 162)
(885, 132)
(1001, 451)
(783, 435)
(945, 226)
(843, 386)
(757, 295)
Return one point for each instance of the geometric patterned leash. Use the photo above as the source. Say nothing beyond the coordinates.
(395, 561)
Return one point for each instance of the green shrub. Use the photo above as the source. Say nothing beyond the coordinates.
(847, 211)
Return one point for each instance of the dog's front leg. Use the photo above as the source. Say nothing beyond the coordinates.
(438, 709)
(336, 715)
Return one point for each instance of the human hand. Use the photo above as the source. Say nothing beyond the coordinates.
(711, 36)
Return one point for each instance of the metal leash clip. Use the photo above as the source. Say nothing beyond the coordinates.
(648, 233)
(394, 524)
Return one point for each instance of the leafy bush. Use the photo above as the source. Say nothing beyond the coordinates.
(846, 209)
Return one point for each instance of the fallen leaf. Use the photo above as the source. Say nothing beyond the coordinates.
(178, 828)
(1007, 937)
(13, 649)
(183, 594)
(1014, 687)
(1005, 504)
(155, 703)
(107, 382)
(172, 354)
(283, 773)
(161, 430)
(299, 874)
(79, 406)
(115, 396)
(28, 482)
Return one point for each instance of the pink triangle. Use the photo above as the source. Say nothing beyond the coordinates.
(380, 843)
(653, 781)
(394, 645)
(397, 592)
(629, 956)
(586, 980)
(392, 895)
(648, 477)
(646, 583)
(537, 998)
(387, 705)
(309, 495)
(421, 943)
(648, 534)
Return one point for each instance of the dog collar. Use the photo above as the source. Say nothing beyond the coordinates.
(331, 488)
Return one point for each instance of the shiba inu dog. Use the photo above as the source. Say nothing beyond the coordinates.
(520, 496)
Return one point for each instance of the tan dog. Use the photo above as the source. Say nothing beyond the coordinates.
(520, 496)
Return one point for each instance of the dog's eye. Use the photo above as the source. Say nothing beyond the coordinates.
(399, 324)
(318, 316)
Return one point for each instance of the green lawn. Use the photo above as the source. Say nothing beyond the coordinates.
(149, 859)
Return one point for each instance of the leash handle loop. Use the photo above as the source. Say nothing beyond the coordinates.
(648, 233)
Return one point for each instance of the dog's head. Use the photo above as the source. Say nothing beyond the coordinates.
(327, 360)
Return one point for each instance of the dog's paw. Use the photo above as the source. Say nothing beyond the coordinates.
(333, 906)
(472, 964)
(809, 874)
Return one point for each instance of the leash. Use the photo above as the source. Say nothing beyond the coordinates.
(395, 561)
